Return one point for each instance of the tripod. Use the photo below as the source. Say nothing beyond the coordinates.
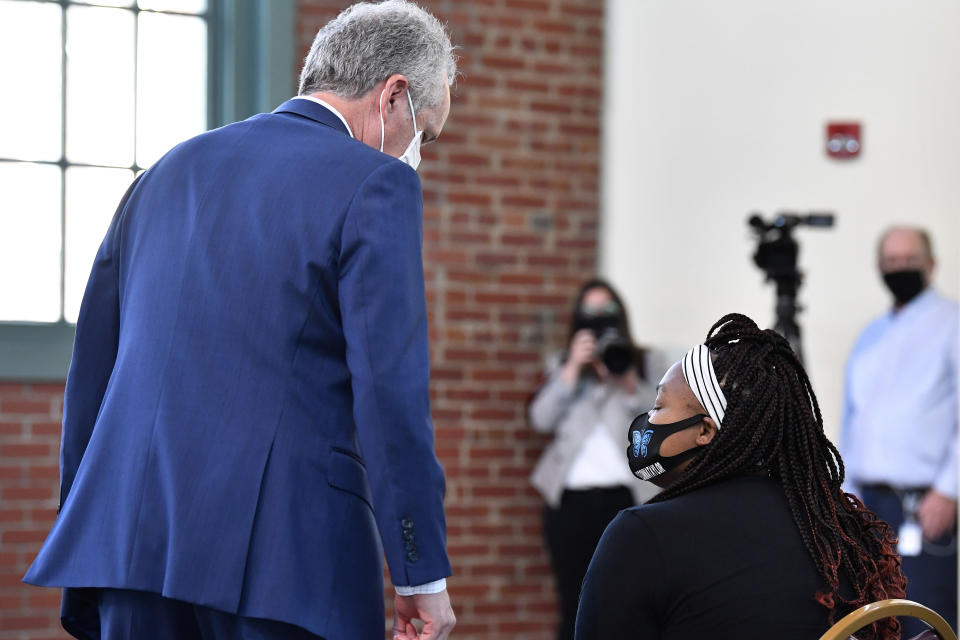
(777, 254)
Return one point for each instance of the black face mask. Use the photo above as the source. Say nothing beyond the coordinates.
(643, 452)
(904, 285)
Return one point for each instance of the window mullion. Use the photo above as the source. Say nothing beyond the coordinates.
(63, 160)
(136, 78)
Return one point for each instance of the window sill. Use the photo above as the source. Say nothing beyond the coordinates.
(35, 352)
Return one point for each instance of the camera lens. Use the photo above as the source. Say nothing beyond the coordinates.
(615, 351)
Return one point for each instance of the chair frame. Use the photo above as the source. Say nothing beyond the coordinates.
(856, 620)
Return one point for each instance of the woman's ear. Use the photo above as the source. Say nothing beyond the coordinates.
(706, 431)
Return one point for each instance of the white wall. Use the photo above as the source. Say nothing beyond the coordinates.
(716, 109)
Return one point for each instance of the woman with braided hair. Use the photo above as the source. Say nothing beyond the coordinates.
(752, 536)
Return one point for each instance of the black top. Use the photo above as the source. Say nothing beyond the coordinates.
(725, 561)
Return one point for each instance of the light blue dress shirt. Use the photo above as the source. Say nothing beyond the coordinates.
(900, 403)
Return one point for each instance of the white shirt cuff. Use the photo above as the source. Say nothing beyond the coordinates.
(431, 587)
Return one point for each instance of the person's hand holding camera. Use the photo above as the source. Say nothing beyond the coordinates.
(582, 352)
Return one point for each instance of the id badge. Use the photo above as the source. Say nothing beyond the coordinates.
(911, 539)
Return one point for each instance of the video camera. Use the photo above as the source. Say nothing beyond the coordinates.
(777, 253)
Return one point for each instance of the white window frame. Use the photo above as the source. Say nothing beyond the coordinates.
(251, 60)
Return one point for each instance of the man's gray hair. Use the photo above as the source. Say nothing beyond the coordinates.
(367, 43)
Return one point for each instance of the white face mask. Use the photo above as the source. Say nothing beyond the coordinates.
(411, 155)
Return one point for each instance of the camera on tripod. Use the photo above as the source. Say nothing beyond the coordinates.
(777, 253)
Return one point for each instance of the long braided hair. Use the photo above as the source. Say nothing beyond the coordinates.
(773, 424)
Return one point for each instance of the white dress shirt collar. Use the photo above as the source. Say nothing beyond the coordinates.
(329, 106)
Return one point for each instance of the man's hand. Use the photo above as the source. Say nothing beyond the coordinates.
(433, 608)
(937, 514)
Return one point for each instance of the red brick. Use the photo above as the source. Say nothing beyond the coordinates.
(494, 414)
(24, 450)
(15, 472)
(470, 355)
(25, 407)
(45, 428)
(12, 515)
(467, 394)
(45, 599)
(11, 428)
(479, 199)
(24, 622)
(27, 493)
(522, 239)
(44, 472)
(533, 279)
(533, 5)
(469, 160)
(489, 259)
(494, 491)
(494, 375)
(23, 536)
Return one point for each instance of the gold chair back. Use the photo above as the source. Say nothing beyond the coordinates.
(856, 620)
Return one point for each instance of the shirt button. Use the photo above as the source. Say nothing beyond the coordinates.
(406, 523)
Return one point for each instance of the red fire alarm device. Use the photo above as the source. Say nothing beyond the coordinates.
(843, 140)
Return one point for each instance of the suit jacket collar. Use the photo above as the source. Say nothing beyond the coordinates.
(313, 111)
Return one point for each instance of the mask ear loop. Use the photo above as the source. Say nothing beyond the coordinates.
(413, 115)
(383, 129)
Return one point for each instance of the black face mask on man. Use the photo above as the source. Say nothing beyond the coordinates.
(643, 452)
(905, 285)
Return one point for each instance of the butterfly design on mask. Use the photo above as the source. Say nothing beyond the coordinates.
(640, 442)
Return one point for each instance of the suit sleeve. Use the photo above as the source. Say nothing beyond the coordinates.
(94, 351)
(383, 309)
(620, 596)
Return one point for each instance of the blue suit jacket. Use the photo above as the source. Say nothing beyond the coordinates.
(247, 403)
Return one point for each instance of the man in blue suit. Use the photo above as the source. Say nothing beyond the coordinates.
(246, 424)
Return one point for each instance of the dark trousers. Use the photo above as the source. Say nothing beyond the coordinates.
(932, 575)
(140, 615)
(572, 532)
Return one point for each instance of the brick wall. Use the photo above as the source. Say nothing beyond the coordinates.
(29, 448)
(510, 231)
(510, 226)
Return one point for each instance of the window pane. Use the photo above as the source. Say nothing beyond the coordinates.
(171, 83)
(29, 242)
(100, 92)
(184, 6)
(92, 198)
(106, 3)
(30, 80)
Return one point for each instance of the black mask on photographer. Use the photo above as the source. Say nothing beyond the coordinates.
(597, 322)
(905, 285)
(643, 452)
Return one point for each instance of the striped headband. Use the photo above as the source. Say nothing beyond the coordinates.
(702, 379)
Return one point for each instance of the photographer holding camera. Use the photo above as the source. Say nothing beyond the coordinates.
(592, 391)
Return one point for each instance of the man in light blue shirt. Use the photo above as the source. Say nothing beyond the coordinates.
(899, 439)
